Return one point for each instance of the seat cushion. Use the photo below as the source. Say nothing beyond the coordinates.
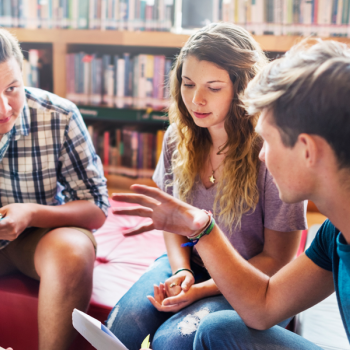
(119, 263)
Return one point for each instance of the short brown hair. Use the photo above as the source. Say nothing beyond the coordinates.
(307, 91)
(9, 47)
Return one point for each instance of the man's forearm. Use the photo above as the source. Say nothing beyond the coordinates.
(80, 213)
(243, 285)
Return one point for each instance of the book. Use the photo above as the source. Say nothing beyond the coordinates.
(98, 335)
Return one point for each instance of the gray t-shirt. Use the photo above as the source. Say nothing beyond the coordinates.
(270, 211)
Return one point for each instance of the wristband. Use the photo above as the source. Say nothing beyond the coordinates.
(179, 270)
(207, 229)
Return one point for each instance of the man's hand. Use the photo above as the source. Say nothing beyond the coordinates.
(167, 213)
(16, 218)
(181, 281)
(176, 303)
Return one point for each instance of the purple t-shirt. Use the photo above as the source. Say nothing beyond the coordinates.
(270, 211)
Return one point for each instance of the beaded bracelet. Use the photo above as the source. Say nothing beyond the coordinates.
(207, 229)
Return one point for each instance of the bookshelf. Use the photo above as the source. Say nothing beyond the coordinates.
(63, 41)
(123, 115)
(62, 38)
(121, 184)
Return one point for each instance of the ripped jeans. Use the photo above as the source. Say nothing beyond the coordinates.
(134, 317)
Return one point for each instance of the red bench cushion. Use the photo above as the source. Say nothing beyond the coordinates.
(119, 263)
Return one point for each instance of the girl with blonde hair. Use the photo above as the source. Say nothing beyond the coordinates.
(209, 160)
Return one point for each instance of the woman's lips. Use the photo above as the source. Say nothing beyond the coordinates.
(2, 121)
(201, 115)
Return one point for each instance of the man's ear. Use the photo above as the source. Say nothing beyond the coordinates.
(309, 148)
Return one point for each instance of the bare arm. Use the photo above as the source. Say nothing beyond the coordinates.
(179, 257)
(76, 213)
(279, 249)
(19, 216)
(262, 301)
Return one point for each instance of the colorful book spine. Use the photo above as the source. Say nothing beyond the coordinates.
(127, 151)
(275, 17)
(106, 148)
(138, 82)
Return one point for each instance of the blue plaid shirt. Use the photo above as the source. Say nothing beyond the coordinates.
(48, 157)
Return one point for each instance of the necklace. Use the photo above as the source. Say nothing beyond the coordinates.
(212, 178)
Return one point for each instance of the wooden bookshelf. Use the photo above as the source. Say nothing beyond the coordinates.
(121, 184)
(130, 115)
(61, 38)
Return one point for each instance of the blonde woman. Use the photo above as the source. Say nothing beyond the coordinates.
(209, 160)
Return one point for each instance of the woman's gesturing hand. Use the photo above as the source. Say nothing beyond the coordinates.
(167, 213)
(181, 281)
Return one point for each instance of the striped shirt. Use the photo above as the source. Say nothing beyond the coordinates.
(48, 157)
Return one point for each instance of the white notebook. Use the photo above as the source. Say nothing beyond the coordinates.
(99, 336)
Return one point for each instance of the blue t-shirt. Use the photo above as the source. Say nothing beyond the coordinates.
(330, 251)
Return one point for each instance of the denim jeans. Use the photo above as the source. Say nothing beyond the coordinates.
(134, 317)
(225, 330)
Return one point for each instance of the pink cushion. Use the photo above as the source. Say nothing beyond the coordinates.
(122, 260)
(119, 263)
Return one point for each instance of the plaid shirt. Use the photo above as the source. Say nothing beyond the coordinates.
(48, 157)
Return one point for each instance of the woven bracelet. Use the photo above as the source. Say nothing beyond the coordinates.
(206, 231)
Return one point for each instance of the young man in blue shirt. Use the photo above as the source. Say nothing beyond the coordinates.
(303, 99)
(52, 194)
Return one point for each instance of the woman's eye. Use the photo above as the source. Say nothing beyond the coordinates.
(11, 88)
(188, 85)
(214, 90)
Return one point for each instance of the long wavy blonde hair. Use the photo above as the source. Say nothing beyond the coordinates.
(233, 49)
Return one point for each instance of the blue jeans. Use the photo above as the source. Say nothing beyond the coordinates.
(226, 330)
(134, 317)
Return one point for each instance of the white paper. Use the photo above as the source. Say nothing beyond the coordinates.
(90, 329)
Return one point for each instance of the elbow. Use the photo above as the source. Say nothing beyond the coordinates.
(98, 224)
(258, 324)
(98, 220)
(258, 320)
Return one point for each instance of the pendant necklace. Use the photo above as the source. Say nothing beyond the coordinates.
(212, 178)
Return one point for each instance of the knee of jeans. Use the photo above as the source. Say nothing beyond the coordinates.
(219, 324)
(190, 323)
(205, 328)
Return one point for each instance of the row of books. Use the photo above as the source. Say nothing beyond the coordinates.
(323, 18)
(37, 67)
(30, 69)
(127, 151)
(118, 81)
(88, 14)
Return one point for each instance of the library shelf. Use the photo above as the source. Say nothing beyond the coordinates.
(123, 115)
(100, 37)
(62, 38)
(118, 183)
(277, 43)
